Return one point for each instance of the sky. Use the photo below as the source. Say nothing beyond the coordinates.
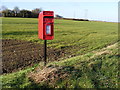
(101, 10)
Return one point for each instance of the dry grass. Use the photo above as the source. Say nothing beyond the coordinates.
(48, 74)
(104, 50)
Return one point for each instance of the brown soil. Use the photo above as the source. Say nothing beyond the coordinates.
(17, 54)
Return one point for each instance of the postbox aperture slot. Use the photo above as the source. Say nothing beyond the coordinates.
(48, 16)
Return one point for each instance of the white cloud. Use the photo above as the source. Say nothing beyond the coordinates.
(60, 0)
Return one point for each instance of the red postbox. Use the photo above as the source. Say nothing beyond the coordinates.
(46, 25)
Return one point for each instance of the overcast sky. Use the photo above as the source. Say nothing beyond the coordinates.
(103, 10)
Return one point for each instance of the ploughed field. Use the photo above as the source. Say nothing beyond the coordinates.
(18, 54)
(83, 54)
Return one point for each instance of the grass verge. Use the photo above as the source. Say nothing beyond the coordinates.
(86, 71)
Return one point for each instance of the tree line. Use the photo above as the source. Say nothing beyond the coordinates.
(16, 12)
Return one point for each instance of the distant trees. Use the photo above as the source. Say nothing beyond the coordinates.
(6, 13)
(16, 12)
(25, 13)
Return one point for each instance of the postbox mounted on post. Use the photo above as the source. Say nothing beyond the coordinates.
(46, 25)
(45, 29)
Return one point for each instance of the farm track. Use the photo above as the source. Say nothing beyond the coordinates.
(17, 54)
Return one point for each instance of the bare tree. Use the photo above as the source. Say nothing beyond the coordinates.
(16, 10)
(3, 8)
(37, 10)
